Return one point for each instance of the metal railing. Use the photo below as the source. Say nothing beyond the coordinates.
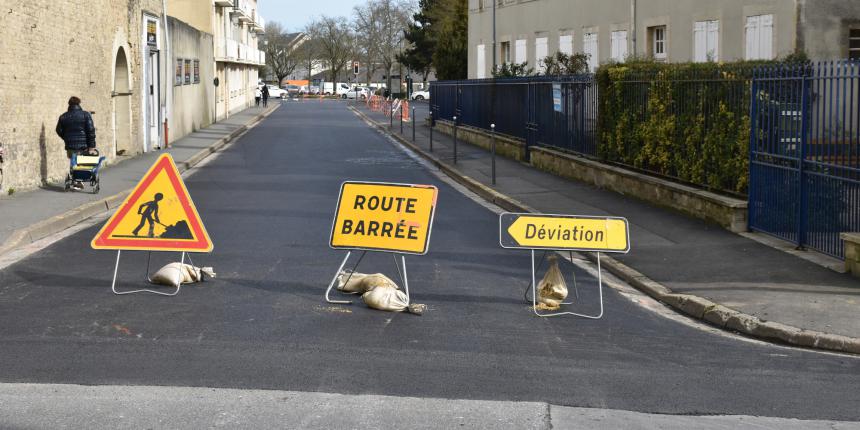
(805, 153)
(557, 111)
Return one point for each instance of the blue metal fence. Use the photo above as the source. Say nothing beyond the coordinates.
(805, 153)
(525, 108)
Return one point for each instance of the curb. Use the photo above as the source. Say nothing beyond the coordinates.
(58, 223)
(697, 307)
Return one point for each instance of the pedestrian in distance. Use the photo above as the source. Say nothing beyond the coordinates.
(149, 213)
(257, 96)
(76, 129)
(265, 92)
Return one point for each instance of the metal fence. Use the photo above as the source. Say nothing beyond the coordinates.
(552, 111)
(805, 153)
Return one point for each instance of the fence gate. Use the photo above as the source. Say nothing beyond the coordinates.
(805, 153)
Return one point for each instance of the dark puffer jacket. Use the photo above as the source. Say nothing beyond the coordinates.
(77, 129)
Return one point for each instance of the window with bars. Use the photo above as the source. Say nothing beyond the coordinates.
(658, 42)
(854, 43)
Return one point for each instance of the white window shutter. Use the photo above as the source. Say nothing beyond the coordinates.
(752, 36)
(540, 53)
(766, 37)
(482, 63)
(700, 42)
(565, 44)
(520, 53)
(618, 45)
(713, 40)
(590, 48)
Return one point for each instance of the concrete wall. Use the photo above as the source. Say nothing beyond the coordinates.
(51, 50)
(825, 25)
(193, 104)
(529, 19)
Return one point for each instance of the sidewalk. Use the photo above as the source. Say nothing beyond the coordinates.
(31, 215)
(770, 294)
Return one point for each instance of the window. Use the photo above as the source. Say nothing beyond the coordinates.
(196, 71)
(618, 47)
(520, 51)
(706, 41)
(482, 63)
(565, 44)
(187, 72)
(658, 42)
(506, 52)
(854, 43)
(177, 80)
(590, 48)
(540, 53)
(759, 35)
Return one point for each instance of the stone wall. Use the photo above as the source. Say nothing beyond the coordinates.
(51, 50)
(728, 212)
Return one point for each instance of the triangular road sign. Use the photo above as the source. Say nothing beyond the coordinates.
(158, 215)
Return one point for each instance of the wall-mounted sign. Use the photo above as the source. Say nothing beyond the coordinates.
(152, 33)
(556, 97)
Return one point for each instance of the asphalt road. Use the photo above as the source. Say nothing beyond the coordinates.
(263, 324)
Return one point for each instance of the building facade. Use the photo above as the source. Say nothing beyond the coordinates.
(666, 30)
(238, 59)
(111, 55)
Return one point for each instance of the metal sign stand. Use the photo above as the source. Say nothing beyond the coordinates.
(145, 290)
(403, 276)
(534, 293)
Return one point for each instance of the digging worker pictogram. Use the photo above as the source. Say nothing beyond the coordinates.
(149, 212)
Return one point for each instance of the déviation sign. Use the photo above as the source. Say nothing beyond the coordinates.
(564, 232)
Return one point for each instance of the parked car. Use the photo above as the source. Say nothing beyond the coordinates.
(314, 90)
(360, 92)
(275, 92)
(421, 95)
(342, 89)
(293, 90)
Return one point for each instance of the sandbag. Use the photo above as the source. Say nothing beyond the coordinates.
(386, 298)
(175, 274)
(360, 283)
(552, 290)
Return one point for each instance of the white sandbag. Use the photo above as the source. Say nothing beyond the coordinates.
(386, 298)
(552, 290)
(175, 274)
(360, 283)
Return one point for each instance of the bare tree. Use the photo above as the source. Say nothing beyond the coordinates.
(367, 36)
(281, 57)
(381, 25)
(335, 42)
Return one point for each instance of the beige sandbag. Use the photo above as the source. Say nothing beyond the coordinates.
(552, 290)
(360, 283)
(386, 298)
(175, 274)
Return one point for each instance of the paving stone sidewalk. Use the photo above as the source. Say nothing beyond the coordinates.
(22, 210)
(688, 256)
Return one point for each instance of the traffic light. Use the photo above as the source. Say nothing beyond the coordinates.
(355, 67)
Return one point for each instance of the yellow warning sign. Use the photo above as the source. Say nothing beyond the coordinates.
(158, 215)
(564, 232)
(384, 217)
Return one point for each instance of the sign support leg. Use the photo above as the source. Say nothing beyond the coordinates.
(339, 270)
(403, 276)
(534, 293)
(142, 290)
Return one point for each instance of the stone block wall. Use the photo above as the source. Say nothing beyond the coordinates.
(51, 50)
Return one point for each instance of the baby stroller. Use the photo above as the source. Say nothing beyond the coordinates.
(85, 168)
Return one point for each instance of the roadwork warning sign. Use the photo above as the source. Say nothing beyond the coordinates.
(158, 215)
(564, 232)
(384, 217)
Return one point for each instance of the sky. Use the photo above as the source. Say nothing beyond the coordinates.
(294, 14)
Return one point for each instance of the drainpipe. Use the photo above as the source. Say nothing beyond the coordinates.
(168, 85)
(633, 25)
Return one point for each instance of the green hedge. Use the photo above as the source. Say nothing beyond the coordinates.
(688, 121)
